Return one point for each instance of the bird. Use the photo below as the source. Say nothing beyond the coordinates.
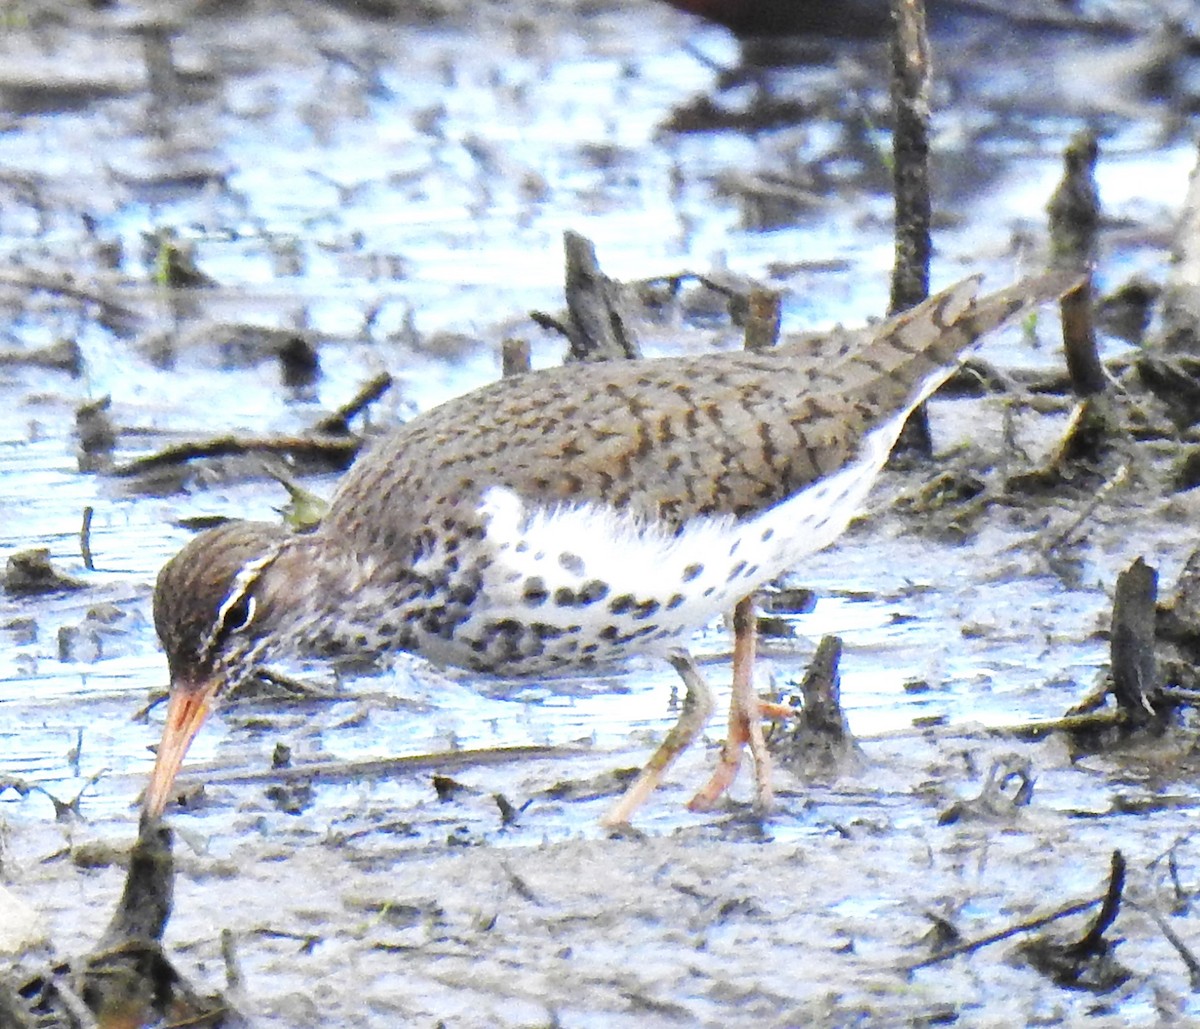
(775, 18)
(563, 520)
(869, 19)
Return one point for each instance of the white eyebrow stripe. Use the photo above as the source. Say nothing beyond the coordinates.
(242, 583)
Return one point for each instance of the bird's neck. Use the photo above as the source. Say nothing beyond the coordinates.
(331, 600)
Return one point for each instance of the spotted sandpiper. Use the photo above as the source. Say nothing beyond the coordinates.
(569, 518)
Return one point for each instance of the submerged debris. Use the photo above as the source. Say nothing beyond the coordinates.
(1086, 963)
(1174, 379)
(30, 573)
(763, 314)
(998, 801)
(63, 356)
(821, 744)
(514, 357)
(329, 444)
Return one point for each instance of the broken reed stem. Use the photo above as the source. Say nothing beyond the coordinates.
(821, 690)
(353, 770)
(598, 328)
(1079, 340)
(339, 450)
(1074, 212)
(338, 421)
(233, 968)
(763, 313)
(1000, 935)
(514, 357)
(911, 76)
(1092, 941)
(85, 538)
(1134, 666)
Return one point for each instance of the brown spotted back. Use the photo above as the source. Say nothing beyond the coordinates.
(729, 433)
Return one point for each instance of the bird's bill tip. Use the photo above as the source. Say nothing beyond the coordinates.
(187, 708)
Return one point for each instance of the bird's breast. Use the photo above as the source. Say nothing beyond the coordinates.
(584, 585)
(528, 588)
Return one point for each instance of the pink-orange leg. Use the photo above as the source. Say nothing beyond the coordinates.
(694, 713)
(745, 721)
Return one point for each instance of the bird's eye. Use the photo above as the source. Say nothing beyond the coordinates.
(237, 615)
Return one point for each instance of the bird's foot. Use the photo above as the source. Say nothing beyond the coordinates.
(746, 712)
(728, 765)
(694, 714)
(747, 732)
(776, 712)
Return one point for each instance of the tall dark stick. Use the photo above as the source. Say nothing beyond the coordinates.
(911, 77)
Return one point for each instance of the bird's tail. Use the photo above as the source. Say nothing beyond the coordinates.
(989, 312)
(934, 334)
(898, 364)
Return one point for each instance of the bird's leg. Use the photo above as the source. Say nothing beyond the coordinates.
(745, 721)
(694, 713)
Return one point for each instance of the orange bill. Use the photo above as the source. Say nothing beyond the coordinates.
(189, 705)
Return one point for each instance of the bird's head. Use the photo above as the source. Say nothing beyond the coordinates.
(214, 619)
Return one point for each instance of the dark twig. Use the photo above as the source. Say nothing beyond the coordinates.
(330, 439)
(1087, 963)
(1007, 933)
(1182, 949)
(335, 449)
(85, 538)
(233, 968)
(341, 771)
(911, 78)
(338, 422)
(1092, 941)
